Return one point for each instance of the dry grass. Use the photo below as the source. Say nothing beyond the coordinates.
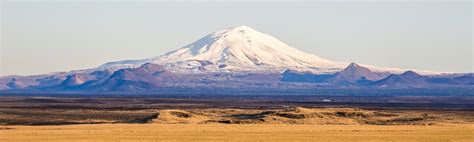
(241, 132)
(309, 116)
(273, 125)
(4, 127)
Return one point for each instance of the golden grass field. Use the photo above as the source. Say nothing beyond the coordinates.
(239, 125)
(237, 132)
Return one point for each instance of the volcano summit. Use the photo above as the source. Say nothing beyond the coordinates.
(240, 49)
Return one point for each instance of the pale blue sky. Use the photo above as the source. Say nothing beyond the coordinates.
(47, 36)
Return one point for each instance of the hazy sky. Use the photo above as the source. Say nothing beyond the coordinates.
(48, 36)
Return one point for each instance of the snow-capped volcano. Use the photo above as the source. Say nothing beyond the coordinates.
(237, 49)
(241, 49)
(234, 57)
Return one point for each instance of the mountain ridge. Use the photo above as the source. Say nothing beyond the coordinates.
(238, 57)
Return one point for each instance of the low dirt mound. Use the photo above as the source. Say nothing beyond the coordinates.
(307, 116)
(180, 114)
(178, 117)
(298, 115)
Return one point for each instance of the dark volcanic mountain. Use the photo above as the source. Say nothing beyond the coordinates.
(76, 79)
(352, 74)
(406, 79)
(147, 77)
(355, 73)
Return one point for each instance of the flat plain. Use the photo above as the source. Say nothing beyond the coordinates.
(273, 119)
(237, 132)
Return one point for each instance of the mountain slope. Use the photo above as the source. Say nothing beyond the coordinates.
(147, 77)
(406, 79)
(295, 76)
(76, 79)
(466, 79)
(355, 73)
(15, 84)
(352, 74)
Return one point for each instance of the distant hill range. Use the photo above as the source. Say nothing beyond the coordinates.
(237, 57)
